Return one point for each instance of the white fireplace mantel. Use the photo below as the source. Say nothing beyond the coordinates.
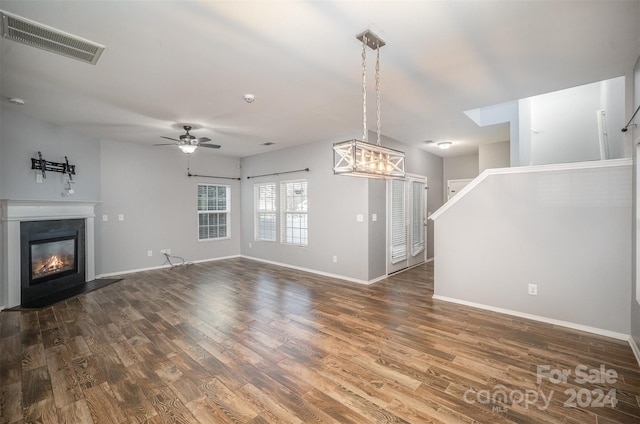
(12, 212)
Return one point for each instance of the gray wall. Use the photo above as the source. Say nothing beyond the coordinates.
(150, 187)
(494, 155)
(566, 231)
(21, 137)
(635, 283)
(334, 203)
(459, 167)
(377, 230)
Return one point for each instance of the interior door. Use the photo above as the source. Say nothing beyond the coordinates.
(454, 186)
(406, 226)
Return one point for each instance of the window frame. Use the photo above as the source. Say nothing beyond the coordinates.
(284, 213)
(226, 211)
(258, 212)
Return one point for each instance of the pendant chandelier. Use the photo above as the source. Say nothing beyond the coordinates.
(360, 158)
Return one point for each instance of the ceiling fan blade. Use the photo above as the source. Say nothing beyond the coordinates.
(165, 144)
(169, 138)
(203, 139)
(211, 146)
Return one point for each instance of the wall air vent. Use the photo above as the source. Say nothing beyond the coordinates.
(50, 39)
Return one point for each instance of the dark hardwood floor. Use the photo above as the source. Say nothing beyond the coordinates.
(239, 341)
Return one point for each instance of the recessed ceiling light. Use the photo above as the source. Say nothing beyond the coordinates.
(16, 100)
(249, 98)
(444, 145)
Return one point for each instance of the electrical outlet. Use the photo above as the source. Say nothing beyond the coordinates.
(149, 252)
(121, 218)
(533, 289)
(374, 217)
(105, 217)
(335, 259)
(168, 251)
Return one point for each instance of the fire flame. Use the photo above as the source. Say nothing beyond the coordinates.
(53, 264)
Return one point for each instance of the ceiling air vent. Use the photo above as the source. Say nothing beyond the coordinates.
(50, 39)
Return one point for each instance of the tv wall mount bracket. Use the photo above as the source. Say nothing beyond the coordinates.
(45, 165)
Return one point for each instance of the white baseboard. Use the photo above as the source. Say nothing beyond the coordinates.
(635, 349)
(574, 326)
(315, 271)
(131, 271)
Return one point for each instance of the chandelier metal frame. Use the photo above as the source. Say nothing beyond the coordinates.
(360, 158)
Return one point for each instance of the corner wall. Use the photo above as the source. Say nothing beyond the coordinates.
(567, 231)
(334, 203)
(149, 186)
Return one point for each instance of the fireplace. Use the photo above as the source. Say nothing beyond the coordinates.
(51, 256)
(31, 228)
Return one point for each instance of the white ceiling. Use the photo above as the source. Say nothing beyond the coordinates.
(168, 63)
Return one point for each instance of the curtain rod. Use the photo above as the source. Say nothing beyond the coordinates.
(626, 127)
(278, 173)
(189, 174)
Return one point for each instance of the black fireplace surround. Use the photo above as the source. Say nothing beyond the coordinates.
(52, 257)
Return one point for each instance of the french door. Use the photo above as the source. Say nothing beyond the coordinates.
(406, 223)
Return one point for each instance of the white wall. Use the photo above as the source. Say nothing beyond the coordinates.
(566, 231)
(561, 127)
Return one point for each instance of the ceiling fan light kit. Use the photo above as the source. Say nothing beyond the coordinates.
(188, 148)
(359, 158)
(188, 143)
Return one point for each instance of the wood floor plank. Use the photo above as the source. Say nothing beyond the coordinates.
(240, 341)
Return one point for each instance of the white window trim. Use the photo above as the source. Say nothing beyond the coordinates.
(284, 212)
(257, 212)
(227, 211)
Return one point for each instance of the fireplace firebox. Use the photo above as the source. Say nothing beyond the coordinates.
(52, 257)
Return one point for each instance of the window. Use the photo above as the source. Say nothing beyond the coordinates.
(398, 222)
(266, 211)
(213, 211)
(417, 219)
(294, 225)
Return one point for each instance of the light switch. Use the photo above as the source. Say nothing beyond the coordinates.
(374, 217)
(121, 217)
(359, 218)
(105, 217)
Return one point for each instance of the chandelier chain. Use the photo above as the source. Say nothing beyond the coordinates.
(378, 93)
(364, 88)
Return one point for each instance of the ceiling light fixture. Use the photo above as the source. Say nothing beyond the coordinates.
(249, 98)
(360, 158)
(188, 148)
(444, 145)
(16, 101)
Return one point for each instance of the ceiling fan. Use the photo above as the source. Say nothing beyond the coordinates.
(189, 143)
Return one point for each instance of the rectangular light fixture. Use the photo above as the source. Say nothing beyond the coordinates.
(361, 159)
